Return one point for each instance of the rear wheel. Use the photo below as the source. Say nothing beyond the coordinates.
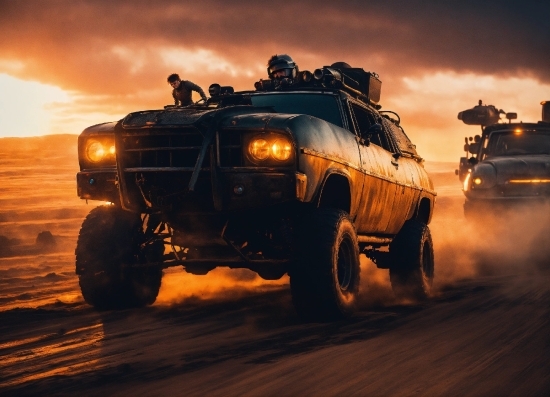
(324, 280)
(110, 242)
(412, 261)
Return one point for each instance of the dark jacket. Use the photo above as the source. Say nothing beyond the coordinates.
(182, 94)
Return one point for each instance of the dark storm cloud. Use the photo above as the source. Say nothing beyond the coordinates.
(69, 43)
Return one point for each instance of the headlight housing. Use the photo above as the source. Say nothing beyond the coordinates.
(268, 149)
(97, 151)
(484, 176)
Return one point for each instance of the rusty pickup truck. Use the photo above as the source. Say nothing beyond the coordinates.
(296, 179)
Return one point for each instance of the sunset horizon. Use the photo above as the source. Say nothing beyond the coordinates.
(68, 65)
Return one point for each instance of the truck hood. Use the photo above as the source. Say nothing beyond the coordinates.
(201, 118)
(522, 166)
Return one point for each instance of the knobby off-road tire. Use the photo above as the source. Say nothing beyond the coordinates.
(108, 245)
(412, 261)
(324, 280)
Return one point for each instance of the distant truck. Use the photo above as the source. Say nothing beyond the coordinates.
(508, 164)
(297, 179)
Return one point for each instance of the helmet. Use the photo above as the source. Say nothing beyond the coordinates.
(282, 62)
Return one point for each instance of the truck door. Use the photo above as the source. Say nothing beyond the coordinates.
(406, 168)
(379, 191)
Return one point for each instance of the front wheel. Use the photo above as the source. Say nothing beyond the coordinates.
(324, 281)
(412, 261)
(110, 242)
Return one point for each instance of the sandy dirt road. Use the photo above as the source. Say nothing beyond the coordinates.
(486, 331)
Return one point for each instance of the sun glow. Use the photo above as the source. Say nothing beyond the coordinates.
(29, 108)
(24, 106)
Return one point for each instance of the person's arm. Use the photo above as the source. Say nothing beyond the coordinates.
(194, 87)
(175, 97)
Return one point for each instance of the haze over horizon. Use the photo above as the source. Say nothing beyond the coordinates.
(65, 65)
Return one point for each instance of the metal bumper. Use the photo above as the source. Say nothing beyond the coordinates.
(247, 190)
(98, 185)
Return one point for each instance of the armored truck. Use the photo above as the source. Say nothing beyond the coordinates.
(509, 163)
(297, 178)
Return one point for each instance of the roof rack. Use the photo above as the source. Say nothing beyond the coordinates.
(365, 86)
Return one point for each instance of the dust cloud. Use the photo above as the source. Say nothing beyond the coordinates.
(511, 242)
(507, 242)
(219, 284)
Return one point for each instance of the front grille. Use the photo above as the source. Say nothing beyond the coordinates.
(177, 149)
(157, 165)
(230, 149)
(159, 149)
(526, 189)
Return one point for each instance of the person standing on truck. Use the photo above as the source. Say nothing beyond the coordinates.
(282, 69)
(182, 90)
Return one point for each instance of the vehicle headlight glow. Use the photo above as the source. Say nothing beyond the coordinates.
(281, 149)
(483, 176)
(98, 151)
(259, 149)
(269, 149)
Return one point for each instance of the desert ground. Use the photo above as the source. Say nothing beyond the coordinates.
(485, 331)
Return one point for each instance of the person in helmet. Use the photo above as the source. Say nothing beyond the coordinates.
(182, 90)
(281, 67)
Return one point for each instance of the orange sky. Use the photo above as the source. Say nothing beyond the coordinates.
(67, 64)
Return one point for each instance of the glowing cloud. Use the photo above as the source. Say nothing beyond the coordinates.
(429, 104)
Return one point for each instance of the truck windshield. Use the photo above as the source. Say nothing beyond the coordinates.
(511, 143)
(321, 106)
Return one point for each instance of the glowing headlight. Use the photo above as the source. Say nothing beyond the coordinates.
(281, 150)
(259, 149)
(97, 151)
(269, 148)
(484, 176)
